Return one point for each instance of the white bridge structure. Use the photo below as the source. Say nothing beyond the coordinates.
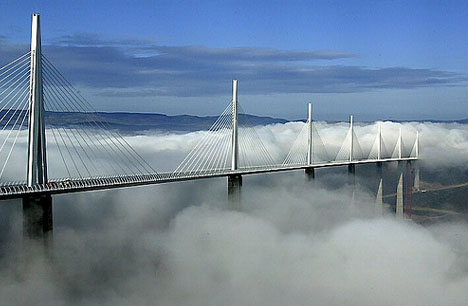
(95, 156)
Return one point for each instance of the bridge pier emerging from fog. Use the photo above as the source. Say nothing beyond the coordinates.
(222, 152)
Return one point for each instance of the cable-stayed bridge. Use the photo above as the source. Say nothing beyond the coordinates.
(90, 155)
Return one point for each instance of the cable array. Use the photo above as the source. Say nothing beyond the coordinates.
(298, 153)
(343, 153)
(252, 151)
(396, 149)
(14, 97)
(87, 145)
(374, 151)
(414, 150)
(212, 152)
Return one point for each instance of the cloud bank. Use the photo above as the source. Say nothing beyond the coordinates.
(441, 145)
(293, 243)
(315, 248)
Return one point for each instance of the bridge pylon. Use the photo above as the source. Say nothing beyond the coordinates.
(37, 161)
(234, 180)
(379, 145)
(310, 171)
(37, 210)
(351, 167)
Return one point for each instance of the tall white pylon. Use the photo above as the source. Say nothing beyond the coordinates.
(417, 145)
(400, 145)
(235, 141)
(379, 142)
(37, 161)
(310, 138)
(351, 138)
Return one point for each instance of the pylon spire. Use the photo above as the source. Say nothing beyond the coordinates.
(310, 139)
(379, 141)
(351, 138)
(400, 145)
(235, 142)
(37, 161)
(417, 144)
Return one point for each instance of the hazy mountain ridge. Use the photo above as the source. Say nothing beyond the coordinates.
(132, 122)
(137, 122)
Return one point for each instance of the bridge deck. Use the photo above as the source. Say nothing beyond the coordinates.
(111, 182)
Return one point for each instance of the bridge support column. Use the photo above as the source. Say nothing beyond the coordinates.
(399, 199)
(416, 182)
(310, 173)
(379, 167)
(352, 180)
(379, 198)
(351, 167)
(38, 217)
(234, 191)
(234, 180)
(352, 175)
(351, 138)
(408, 189)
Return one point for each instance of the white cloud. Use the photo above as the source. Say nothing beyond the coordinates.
(293, 242)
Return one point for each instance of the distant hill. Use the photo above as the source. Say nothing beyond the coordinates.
(136, 122)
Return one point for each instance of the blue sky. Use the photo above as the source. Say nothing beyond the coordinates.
(376, 59)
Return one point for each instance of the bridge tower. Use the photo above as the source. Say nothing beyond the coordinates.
(351, 167)
(379, 145)
(379, 197)
(234, 180)
(310, 171)
(400, 145)
(379, 141)
(416, 166)
(37, 210)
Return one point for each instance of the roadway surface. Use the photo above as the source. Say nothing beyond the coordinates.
(72, 185)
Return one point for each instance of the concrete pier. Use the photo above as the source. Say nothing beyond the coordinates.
(234, 191)
(399, 199)
(310, 173)
(416, 183)
(38, 217)
(379, 200)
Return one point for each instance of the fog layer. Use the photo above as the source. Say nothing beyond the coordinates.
(294, 242)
